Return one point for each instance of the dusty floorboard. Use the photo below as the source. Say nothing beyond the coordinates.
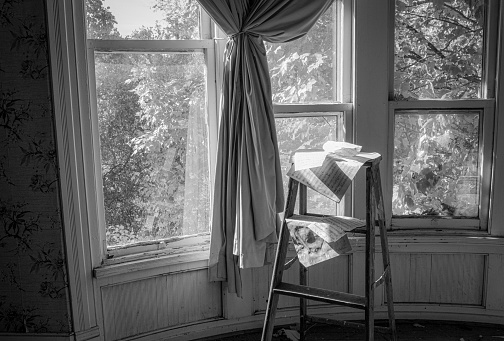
(407, 331)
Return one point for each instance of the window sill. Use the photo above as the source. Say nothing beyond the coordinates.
(190, 257)
(437, 241)
(182, 255)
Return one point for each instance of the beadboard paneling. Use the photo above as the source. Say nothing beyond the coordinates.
(332, 274)
(438, 278)
(158, 302)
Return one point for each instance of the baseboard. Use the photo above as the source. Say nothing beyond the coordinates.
(91, 334)
(214, 328)
(35, 337)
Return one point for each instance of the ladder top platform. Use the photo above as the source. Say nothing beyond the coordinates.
(374, 158)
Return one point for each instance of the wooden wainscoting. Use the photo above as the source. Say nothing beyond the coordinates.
(154, 303)
(439, 278)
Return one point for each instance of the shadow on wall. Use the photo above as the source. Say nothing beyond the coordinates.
(33, 285)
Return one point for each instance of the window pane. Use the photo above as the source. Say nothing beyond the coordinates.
(438, 49)
(308, 132)
(304, 70)
(436, 163)
(153, 136)
(147, 20)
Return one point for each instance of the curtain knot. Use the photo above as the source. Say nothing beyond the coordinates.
(233, 36)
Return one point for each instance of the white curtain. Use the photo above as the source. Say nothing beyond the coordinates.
(248, 181)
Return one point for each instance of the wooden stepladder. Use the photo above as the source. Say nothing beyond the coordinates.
(375, 215)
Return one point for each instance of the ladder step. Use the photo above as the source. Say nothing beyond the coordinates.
(328, 296)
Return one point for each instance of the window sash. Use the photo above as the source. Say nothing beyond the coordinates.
(207, 46)
(321, 110)
(145, 46)
(487, 108)
(489, 49)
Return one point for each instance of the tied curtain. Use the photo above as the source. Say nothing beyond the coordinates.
(248, 181)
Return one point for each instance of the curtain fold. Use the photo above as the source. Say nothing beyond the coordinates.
(248, 181)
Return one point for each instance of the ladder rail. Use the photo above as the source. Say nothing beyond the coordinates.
(385, 251)
(278, 266)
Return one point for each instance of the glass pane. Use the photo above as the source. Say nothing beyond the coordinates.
(308, 132)
(146, 19)
(438, 49)
(304, 70)
(153, 138)
(436, 163)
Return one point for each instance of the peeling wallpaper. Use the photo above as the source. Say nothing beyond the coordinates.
(33, 285)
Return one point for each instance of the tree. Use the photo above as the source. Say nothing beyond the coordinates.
(100, 21)
(152, 129)
(438, 49)
(303, 71)
(438, 55)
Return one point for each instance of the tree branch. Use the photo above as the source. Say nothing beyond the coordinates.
(429, 44)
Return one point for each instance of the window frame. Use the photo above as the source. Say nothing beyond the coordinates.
(91, 138)
(486, 103)
(344, 92)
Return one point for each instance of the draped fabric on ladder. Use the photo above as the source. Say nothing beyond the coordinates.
(248, 181)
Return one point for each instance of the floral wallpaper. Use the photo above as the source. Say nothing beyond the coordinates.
(33, 285)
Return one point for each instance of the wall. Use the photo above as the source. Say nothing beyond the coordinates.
(33, 285)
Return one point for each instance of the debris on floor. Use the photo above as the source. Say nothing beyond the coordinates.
(292, 335)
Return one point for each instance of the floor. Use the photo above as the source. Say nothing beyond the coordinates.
(407, 331)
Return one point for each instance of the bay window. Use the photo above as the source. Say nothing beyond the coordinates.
(154, 81)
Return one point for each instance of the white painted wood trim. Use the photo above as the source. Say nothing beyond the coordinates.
(443, 104)
(92, 334)
(494, 279)
(104, 45)
(35, 337)
(434, 223)
(291, 316)
(490, 50)
(371, 60)
(212, 106)
(66, 111)
(496, 225)
(346, 70)
(487, 109)
(307, 108)
(144, 268)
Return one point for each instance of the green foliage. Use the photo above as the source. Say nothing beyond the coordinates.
(438, 55)
(100, 21)
(438, 49)
(152, 130)
(436, 164)
(302, 71)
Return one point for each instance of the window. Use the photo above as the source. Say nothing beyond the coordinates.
(154, 113)
(442, 113)
(311, 85)
(152, 77)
